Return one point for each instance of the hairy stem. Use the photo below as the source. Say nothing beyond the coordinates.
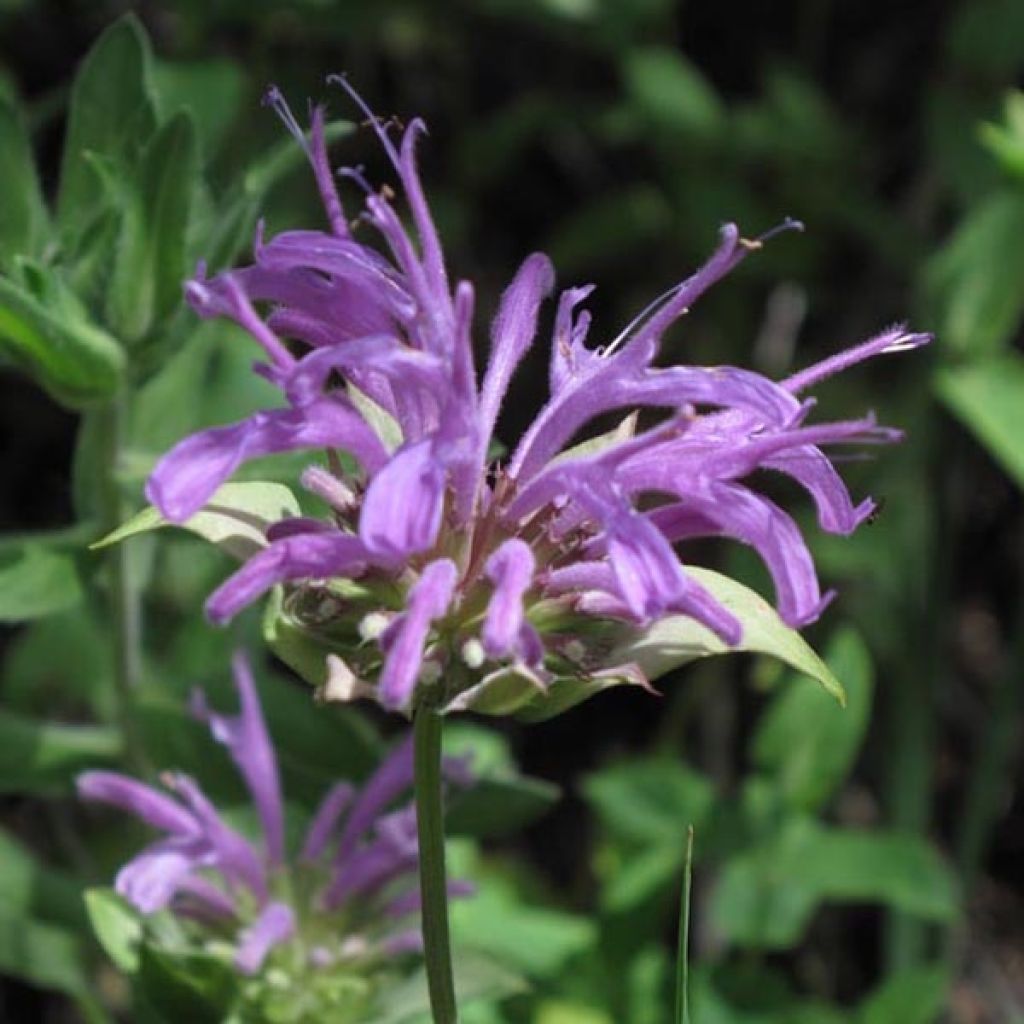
(433, 879)
(124, 605)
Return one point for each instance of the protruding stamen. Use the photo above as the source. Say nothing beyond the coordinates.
(649, 310)
(274, 98)
(374, 120)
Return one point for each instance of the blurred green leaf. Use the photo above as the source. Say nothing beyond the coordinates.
(24, 222)
(36, 580)
(42, 954)
(600, 234)
(76, 361)
(63, 660)
(987, 36)
(149, 264)
(677, 640)
(498, 921)
(31, 890)
(1006, 141)
(476, 978)
(235, 518)
(117, 926)
(186, 986)
(764, 898)
(501, 800)
(987, 396)
(669, 90)
(975, 284)
(111, 114)
(44, 757)
(650, 802)
(560, 1012)
(808, 743)
(915, 996)
(642, 877)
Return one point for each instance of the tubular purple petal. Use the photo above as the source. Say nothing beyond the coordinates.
(428, 600)
(189, 474)
(510, 569)
(150, 880)
(402, 508)
(392, 778)
(303, 556)
(275, 924)
(326, 820)
(138, 799)
(512, 332)
(246, 737)
(894, 339)
(233, 855)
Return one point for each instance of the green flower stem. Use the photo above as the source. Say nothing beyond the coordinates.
(124, 604)
(433, 879)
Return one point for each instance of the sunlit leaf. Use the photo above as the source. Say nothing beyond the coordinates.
(235, 518)
(677, 640)
(117, 926)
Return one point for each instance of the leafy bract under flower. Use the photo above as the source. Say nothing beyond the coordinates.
(481, 571)
(347, 902)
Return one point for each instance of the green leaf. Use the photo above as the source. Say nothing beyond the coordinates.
(117, 927)
(477, 978)
(650, 802)
(210, 90)
(988, 398)
(41, 954)
(72, 358)
(670, 91)
(914, 996)
(44, 757)
(150, 259)
(186, 986)
(678, 640)
(538, 941)
(974, 283)
(805, 741)
(24, 222)
(36, 580)
(30, 889)
(111, 114)
(648, 875)
(499, 806)
(765, 897)
(235, 518)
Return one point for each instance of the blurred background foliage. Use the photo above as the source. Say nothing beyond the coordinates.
(850, 867)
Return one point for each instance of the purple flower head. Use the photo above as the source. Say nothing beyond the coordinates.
(355, 876)
(437, 563)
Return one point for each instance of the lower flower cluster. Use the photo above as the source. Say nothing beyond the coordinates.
(346, 905)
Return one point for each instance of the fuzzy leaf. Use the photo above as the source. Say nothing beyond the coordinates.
(76, 361)
(111, 114)
(150, 258)
(24, 221)
(117, 926)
